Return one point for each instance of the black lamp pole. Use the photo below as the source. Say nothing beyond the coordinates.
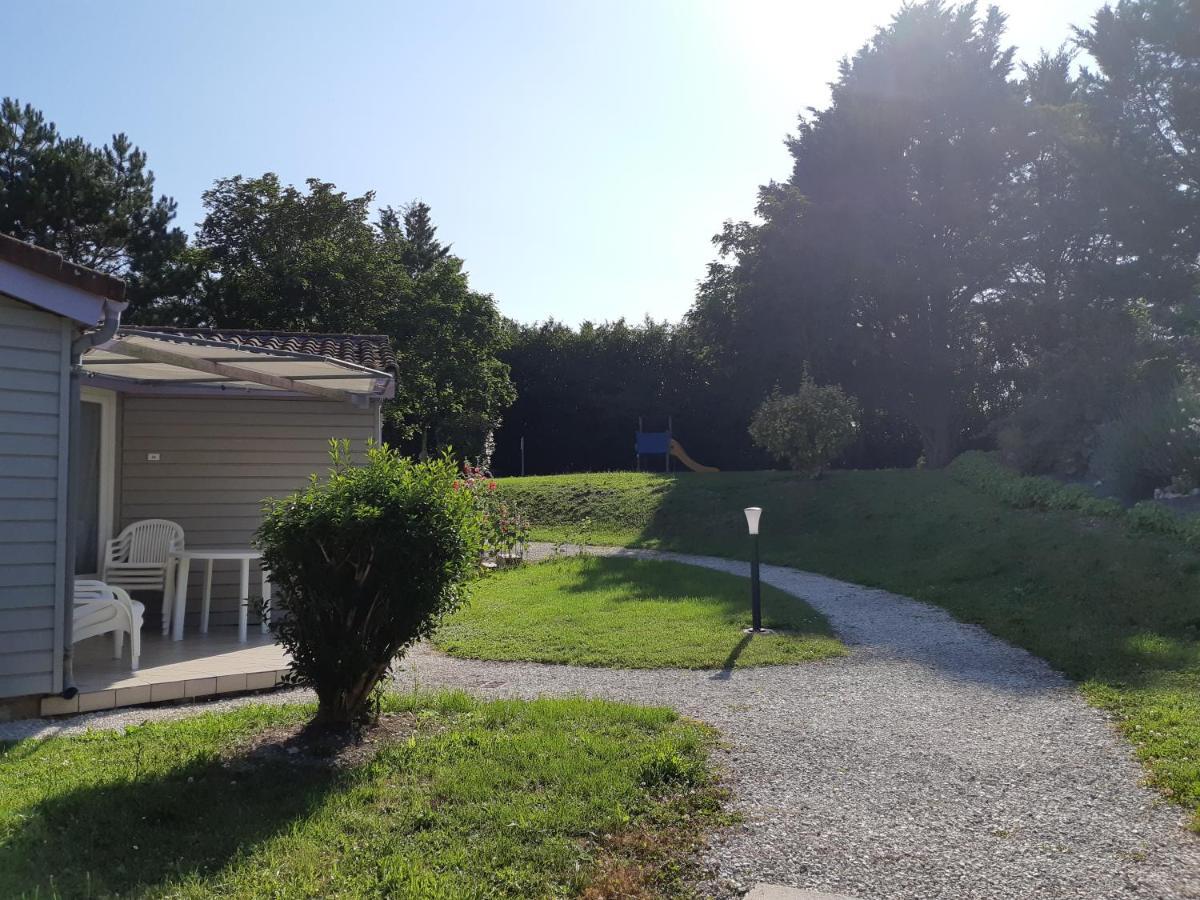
(755, 589)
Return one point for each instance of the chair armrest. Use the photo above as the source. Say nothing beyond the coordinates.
(115, 550)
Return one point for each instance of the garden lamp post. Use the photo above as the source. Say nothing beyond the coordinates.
(753, 513)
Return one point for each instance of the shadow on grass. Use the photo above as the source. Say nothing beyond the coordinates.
(635, 581)
(727, 667)
(141, 834)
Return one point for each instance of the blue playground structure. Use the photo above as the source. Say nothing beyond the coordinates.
(655, 443)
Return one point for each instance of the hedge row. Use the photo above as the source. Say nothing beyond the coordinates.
(984, 472)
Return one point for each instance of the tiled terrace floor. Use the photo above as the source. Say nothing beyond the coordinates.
(197, 666)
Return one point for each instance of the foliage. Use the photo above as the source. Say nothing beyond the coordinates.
(269, 256)
(872, 258)
(441, 808)
(274, 256)
(582, 391)
(1142, 100)
(1110, 607)
(974, 253)
(365, 564)
(1153, 441)
(503, 527)
(806, 429)
(94, 205)
(631, 614)
(984, 472)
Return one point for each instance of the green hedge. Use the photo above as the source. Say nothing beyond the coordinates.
(984, 472)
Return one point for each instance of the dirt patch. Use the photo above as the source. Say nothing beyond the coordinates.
(301, 745)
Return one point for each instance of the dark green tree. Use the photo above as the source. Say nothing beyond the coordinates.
(1143, 97)
(279, 257)
(413, 229)
(94, 205)
(876, 260)
(1065, 331)
(275, 256)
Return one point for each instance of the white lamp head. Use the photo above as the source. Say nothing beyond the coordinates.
(752, 515)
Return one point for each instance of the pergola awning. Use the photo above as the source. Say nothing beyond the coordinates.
(151, 361)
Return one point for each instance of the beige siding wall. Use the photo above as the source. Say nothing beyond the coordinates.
(34, 357)
(218, 459)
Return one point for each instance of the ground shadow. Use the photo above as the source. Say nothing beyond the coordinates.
(633, 581)
(141, 834)
(727, 667)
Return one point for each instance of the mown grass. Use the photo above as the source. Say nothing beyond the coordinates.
(502, 799)
(628, 613)
(1118, 612)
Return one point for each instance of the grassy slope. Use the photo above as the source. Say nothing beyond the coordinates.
(510, 799)
(1119, 613)
(631, 613)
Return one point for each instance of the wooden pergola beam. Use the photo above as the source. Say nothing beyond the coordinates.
(225, 369)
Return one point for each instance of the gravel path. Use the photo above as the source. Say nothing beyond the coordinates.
(934, 761)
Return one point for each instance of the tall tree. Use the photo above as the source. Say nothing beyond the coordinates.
(275, 256)
(279, 257)
(876, 259)
(1066, 334)
(1144, 100)
(413, 230)
(94, 205)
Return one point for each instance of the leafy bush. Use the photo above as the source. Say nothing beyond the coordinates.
(806, 429)
(984, 472)
(1153, 442)
(364, 564)
(1152, 518)
(1076, 389)
(504, 527)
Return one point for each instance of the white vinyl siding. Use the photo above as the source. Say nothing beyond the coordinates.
(218, 458)
(34, 360)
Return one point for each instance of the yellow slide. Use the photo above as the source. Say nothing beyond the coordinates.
(680, 454)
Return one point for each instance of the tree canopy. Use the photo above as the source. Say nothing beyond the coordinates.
(275, 256)
(983, 254)
(961, 244)
(94, 205)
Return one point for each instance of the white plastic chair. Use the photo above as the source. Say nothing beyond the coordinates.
(101, 608)
(138, 560)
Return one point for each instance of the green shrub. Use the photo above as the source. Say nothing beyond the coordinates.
(1075, 390)
(1153, 442)
(985, 472)
(504, 528)
(1154, 518)
(806, 429)
(364, 564)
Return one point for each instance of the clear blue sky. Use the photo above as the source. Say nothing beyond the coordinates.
(579, 154)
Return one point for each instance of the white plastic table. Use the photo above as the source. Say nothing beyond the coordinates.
(183, 562)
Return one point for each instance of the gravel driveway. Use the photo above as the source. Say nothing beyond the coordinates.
(934, 761)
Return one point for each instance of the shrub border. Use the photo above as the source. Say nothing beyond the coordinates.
(984, 472)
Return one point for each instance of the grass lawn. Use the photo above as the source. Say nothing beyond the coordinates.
(629, 613)
(1117, 612)
(504, 799)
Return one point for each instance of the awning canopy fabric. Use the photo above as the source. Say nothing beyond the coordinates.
(153, 362)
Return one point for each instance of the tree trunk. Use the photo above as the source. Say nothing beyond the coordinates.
(348, 708)
(939, 442)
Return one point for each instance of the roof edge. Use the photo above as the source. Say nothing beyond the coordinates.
(53, 265)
